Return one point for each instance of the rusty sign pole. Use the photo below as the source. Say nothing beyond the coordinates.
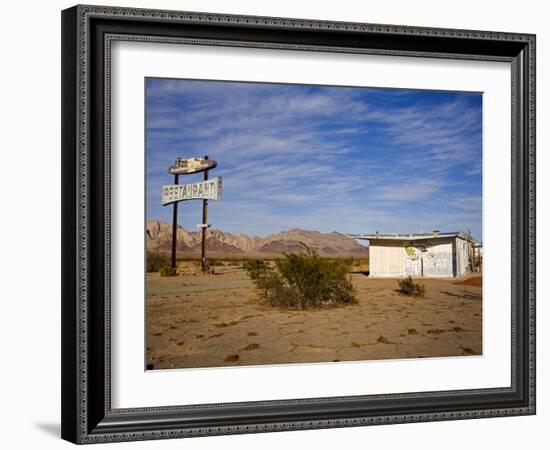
(175, 225)
(204, 225)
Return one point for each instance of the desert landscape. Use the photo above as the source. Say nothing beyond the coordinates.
(297, 223)
(230, 246)
(218, 319)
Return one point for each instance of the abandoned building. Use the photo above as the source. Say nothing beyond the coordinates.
(433, 254)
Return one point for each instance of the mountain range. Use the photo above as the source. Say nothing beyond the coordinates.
(221, 243)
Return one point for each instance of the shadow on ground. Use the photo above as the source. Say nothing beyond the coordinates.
(464, 294)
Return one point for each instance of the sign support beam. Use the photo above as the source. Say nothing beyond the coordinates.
(204, 190)
(175, 226)
(204, 221)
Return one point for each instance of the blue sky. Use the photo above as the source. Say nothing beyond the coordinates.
(347, 159)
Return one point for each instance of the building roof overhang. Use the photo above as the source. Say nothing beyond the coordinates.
(413, 236)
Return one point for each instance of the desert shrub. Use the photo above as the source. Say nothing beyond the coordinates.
(156, 260)
(255, 267)
(478, 264)
(409, 287)
(167, 271)
(302, 280)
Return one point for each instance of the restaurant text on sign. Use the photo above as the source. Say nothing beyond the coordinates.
(204, 190)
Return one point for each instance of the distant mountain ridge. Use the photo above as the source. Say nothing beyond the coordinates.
(222, 243)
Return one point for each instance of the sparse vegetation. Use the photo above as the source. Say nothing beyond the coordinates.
(255, 268)
(409, 287)
(167, 271)
(232, 358)
(383, 340)
(216, 262)
(251, 347)
(303, 280)
(478, 264)
(155, 261)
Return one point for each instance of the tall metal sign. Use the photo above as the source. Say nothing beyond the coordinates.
(204, 190)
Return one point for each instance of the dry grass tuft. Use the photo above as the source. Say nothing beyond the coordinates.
(383, 340)
(436, 331)
(251, 347)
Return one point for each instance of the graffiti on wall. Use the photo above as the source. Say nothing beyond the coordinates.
(412, 261)
(437, 262)
(427, 261)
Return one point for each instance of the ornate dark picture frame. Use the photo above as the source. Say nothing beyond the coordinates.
(87, 34)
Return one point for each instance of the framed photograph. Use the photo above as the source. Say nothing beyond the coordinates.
(277, 224)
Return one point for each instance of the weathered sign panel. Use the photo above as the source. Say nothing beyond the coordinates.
(204, 190)
(191, 165)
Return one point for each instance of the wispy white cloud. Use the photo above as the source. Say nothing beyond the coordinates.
(407, 191)
(323, 158)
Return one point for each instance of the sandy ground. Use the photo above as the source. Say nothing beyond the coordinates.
(219, 320)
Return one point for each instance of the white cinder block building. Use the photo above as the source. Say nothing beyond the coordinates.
(433, 254)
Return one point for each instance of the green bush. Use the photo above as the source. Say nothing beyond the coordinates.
(156, 260)
(409, 287)
(167, 271)
(302, 280)
(255, 267)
